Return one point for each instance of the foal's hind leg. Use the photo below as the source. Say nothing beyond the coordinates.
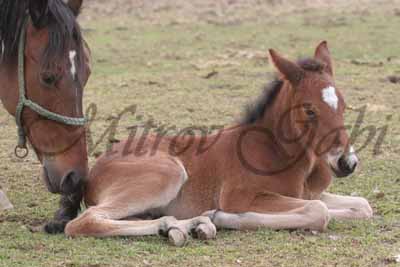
(141, 187)
(98, 222)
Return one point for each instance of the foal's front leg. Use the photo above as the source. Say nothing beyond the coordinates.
(347, 207)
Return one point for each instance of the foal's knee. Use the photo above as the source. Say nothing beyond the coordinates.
(318, 213)
(75, 228)
(71, 229)
(84, 225)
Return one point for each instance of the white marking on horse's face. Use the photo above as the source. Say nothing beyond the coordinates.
(329, 96)
(351, 158)
(72, 56)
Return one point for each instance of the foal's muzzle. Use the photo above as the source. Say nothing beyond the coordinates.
(343, 165)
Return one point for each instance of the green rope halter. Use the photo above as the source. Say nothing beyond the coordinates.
(24, 102)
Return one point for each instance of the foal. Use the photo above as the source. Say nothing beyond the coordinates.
(270, 171)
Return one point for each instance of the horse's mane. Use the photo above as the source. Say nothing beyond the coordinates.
(62, 28)
(254, 111)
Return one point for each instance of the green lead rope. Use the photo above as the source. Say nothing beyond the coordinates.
(24, 102)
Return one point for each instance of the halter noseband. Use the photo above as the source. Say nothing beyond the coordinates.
(21, 150)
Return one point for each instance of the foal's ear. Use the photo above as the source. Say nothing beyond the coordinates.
(39, 9)
(322, 54)
(75, 6)
(288, 69)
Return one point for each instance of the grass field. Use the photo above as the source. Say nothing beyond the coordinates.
(159, 59)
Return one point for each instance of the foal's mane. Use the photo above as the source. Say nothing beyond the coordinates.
(62, 27)
(254, 111)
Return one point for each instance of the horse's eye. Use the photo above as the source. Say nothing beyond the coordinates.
(49, 79)
(308, 109)
(311, 113)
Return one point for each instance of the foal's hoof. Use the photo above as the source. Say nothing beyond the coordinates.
(206, 231)
(177, 237)
(55, 227)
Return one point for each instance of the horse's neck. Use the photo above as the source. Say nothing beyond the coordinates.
(8, 87)
(278, 122)
(261, 141)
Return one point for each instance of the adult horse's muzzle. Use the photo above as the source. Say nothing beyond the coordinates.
(343, 164)
(63, 182)
(65, 173)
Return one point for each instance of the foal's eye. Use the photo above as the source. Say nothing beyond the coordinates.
(310, 113)
(308, 109)
(49, 79)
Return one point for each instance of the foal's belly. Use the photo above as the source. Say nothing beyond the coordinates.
(191, 201)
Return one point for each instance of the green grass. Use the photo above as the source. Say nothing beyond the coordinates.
(160, 67)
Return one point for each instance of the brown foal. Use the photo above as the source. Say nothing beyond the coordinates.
(271, 170)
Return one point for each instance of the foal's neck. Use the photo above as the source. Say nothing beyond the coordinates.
(279, 123)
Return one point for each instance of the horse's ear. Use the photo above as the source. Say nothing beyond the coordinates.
(288, 69)
(75, 6)
(322, 54)
(38, 10)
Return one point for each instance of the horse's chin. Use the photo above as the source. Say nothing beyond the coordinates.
(46, 179)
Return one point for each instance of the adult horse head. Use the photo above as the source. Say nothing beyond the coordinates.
(44, 67)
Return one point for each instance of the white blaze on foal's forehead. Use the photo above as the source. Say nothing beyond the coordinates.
(329, 96)
(72, 55)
